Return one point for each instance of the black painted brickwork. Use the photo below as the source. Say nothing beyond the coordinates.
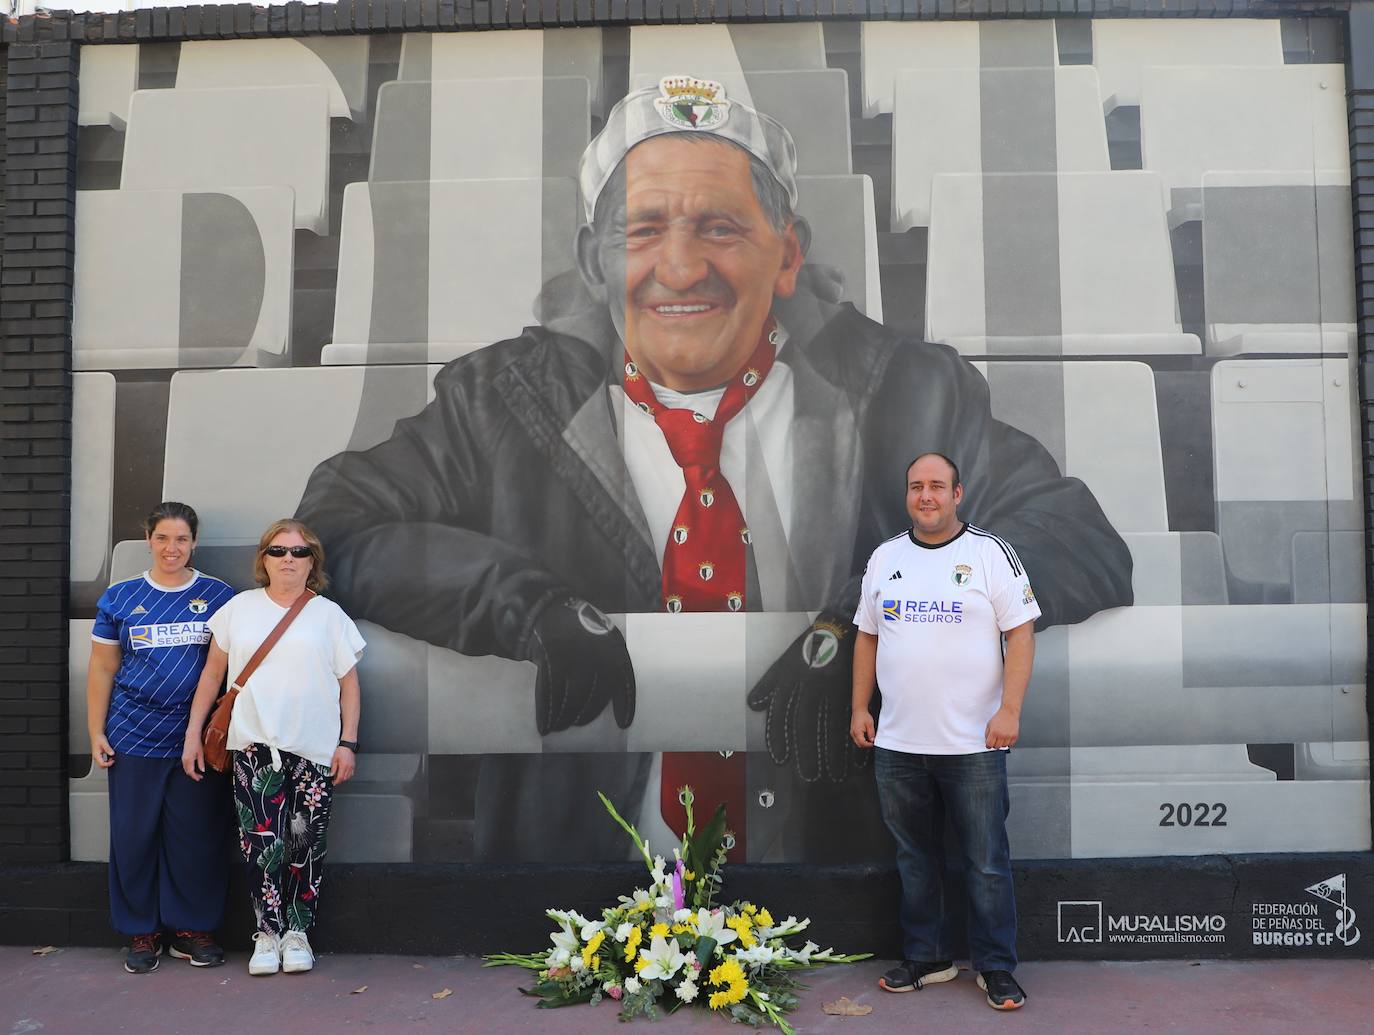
(35, 446)
(294, 19)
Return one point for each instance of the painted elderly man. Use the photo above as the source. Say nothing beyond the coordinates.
(700, 428)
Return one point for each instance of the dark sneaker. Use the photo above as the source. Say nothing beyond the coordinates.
(910, 975)
(143, 953)
(1003, 991)
(197, 947)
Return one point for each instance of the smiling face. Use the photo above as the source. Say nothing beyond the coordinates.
(170, 543)
(690, 267)
(932, 499)
(287, 574)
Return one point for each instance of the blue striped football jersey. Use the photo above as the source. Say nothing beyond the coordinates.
(163, 638)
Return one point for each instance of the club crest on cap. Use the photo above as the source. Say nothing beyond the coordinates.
(688, 103)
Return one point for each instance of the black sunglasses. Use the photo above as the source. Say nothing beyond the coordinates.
(299, 552)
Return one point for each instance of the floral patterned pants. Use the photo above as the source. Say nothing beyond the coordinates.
(283, 815)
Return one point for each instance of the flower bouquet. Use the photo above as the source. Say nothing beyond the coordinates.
(674, 944)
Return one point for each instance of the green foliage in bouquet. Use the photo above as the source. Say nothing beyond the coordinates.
(670, 945)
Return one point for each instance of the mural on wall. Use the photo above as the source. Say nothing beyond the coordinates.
(1105, 265)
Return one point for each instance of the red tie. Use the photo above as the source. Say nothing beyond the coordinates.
(704, 566)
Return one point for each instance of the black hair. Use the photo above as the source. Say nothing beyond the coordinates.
(170, 510)
(942, 456)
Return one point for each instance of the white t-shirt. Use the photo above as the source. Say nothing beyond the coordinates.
(939, 613)
(292, 701)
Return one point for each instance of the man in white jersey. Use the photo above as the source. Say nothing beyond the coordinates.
(937, 604)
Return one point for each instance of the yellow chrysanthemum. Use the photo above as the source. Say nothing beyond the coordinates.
(681, 929)
(742, 927)
(589, 950)
(749, 909)
(688, 875)
(727, 973)
(658, 931)
(764, 919)
(632, 943)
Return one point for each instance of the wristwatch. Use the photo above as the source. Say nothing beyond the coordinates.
(352, 745)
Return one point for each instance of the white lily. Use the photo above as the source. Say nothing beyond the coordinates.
(589, 929)
(788, 927)
(760, 955)
(623, 931)
(640, 899)
(712, 925)
(664, 959)
(803, 955)
(565, 940)
(659, 872)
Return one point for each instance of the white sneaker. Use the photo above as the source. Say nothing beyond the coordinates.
(295, 952)
(266, 954)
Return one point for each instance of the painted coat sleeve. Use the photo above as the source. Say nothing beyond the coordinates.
(405, 528)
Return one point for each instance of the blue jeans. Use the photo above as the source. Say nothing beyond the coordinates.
(916, 792)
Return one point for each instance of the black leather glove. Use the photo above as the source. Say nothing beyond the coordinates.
(807, 693)
(583, 664)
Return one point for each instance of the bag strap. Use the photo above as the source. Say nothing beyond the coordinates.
(247, 671)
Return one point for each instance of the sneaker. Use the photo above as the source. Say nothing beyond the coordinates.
(143, 953)
(266, 954)
(911, 975)
(295, 952)
(1003, 991)
(197, 947)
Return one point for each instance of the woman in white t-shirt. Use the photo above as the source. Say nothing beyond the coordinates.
(294, 735)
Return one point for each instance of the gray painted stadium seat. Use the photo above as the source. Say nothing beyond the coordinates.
(1073, 264)
(321, 411)
(93, 463)
(991, 120)
(1277, 269)
(887, 47)
(1285, 449)
(844, 235)
(171, 278)
(430, 271)
(1100, 423)
(1123, 50)
(338, 63)
(109, 77)
(463, 129)
(213, 140)
(1199, 120)
(527, 53)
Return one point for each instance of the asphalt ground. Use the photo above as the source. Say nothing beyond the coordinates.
(87, 991)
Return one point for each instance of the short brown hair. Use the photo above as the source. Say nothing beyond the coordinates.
(317, 580)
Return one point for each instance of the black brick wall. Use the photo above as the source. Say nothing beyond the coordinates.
(35, 446)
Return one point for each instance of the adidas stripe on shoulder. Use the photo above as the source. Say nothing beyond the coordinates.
(1005, 547)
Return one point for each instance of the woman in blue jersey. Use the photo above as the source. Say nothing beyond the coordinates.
(168, 867)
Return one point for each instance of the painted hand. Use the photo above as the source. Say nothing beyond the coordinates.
(583, 663)
(806, 693)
